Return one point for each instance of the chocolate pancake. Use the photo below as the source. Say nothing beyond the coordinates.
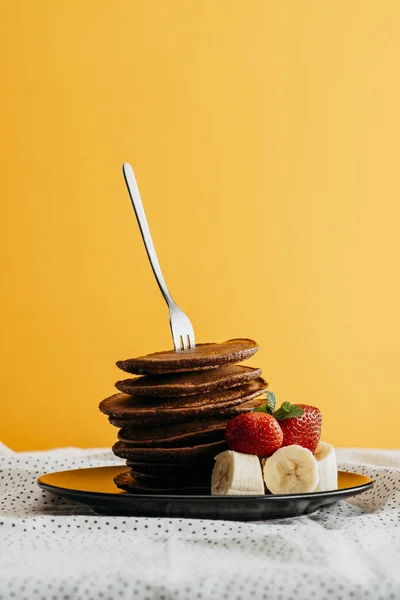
(125, 405)
(197, 471)
(201, 466)
(189, 478)
(185, 384)
(156, 418)
(129, 407)
(167, 455)
(203, 356)
(176, 435)
(126, 482)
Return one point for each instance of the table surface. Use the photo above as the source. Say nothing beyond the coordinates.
(53, 549)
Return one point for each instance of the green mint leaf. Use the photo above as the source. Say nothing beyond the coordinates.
(271, 401)
(262, 408)
(296, 411)
(288, 411)
(269, 406)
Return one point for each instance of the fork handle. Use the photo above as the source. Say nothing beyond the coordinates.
(145, 231)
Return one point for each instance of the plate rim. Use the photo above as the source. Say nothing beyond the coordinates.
(265, 497)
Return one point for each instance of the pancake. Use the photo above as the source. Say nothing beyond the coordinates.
(192, 480)
(168, 455)
(197, 471)
(201, 466)
(129, 407)
(185, 384)
(176, 435)
(126, 482)
(202, 356)
(178, 441)
(195, 477)
(155, 418)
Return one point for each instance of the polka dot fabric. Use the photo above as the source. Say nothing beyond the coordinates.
(51, 549)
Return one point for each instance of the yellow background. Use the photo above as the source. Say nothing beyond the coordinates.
(265, 140)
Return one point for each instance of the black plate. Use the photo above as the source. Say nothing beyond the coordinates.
(95, 488)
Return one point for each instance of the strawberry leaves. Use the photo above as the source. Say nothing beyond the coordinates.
(287, 411)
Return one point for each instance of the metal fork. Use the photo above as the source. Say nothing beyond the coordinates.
(181, 327)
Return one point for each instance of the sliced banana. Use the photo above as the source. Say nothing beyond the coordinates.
(237, 474)
(327, 467)
(291, 470)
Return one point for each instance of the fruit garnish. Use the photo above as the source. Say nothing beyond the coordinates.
(300, 424)
(288, 411)
(327, 466)
(269, 406)
(237, 474)
(291, 470)
(256, 433)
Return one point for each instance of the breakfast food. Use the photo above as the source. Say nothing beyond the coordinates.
(285, 442)
(194, 422)
(237, 474)
(202, 356)
(254, 433)
(175, 435)
(173, 415)
(291, 470)
(327, 467)
(168, 474)
(303, 429)
(166, 455)
(186, 384)
(137, 412)
(128, 482)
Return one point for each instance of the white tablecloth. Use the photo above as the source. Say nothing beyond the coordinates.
(52, 549)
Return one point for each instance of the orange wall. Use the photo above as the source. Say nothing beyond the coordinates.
(265, 139)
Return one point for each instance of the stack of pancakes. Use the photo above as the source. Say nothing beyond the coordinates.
(172, 415)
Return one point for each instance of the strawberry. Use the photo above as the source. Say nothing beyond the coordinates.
(256, 433)
(301, 424)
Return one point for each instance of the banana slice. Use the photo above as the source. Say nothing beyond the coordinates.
(291, 470)
(327, 467)
(237, 474)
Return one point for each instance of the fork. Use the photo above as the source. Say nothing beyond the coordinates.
(181, 327)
